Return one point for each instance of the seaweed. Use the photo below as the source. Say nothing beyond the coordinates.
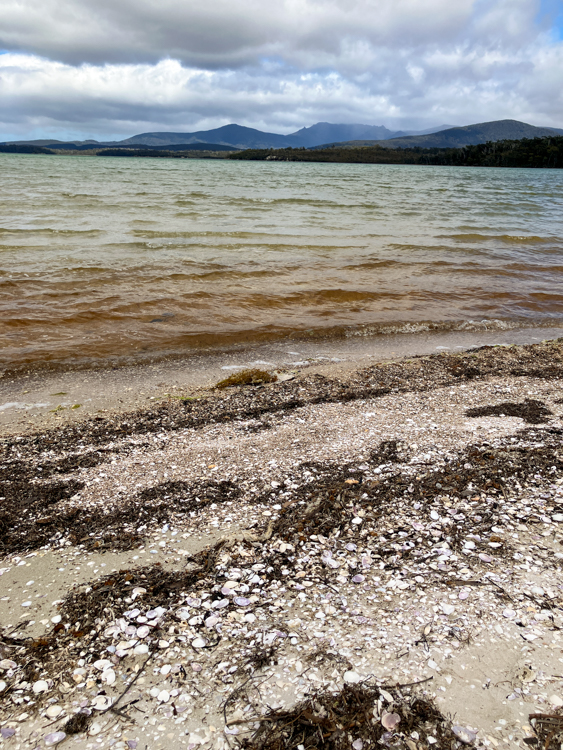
(359, 716)
(247, 377)
(530, 410)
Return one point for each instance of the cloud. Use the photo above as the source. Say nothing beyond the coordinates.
(103, 69)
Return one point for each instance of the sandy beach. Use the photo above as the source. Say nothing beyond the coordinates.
(361, 554)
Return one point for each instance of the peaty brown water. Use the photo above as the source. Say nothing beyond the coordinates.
(125, 260)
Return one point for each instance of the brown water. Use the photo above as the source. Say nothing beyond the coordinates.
(127, 260)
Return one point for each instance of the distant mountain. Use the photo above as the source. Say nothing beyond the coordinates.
(229, 135)
(470, 135)
(325, 132)
(321, 134)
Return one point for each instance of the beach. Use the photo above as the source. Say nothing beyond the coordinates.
(194, 567)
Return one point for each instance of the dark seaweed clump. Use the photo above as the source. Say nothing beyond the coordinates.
(531, 411)
(358, 714)
(34, 515)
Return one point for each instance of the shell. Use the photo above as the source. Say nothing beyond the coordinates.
(54, 738)
(390, 721)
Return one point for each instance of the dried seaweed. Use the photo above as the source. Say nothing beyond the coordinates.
(336, 721)
(530, 410)
(29, 520)
(548, 729)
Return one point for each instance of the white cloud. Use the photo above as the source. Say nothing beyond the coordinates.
(115, 68)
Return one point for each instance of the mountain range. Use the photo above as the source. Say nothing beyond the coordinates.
(470, 135)
(320, 134)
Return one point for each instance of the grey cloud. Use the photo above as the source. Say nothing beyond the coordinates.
(116, 68)
(221, 33)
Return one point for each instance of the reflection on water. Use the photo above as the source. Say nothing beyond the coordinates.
(133, 258)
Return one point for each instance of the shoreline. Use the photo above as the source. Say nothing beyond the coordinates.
(357, 528)
(32, 400)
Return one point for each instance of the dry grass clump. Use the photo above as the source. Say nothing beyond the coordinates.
(247, 377)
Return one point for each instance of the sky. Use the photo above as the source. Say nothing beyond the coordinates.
(108, 69)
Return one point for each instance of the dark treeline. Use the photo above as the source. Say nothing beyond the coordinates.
(23, 149)
(528, 152)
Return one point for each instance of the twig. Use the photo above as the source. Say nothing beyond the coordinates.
(397, 686)
(113, 706)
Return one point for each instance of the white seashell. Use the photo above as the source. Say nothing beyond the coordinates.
(240, 601)
(509, 613)
(231, 585)
(153, 692)
(163, 696)
(130, 631)
(142, 648)
(556, 701)
(212, 621)
(102, 664)
(358, 744)
(352, 677)
(108, 676)
(143, 631)
(357, 521)
(41, 686)
(351, 547)
(434, 515)
(54, 738)
(432, 664)
(165, 669)
(163, 644)
(196, 620)
(3, 686)
(463, 595)
(193, 602)
(56, 619)
(112, 631)
(26, 604)
(53, 711)
(101, 702)
(198, 643)
(249, 617)
(448, 609)
(133, 613)
(7, 664)
(485, 558)
(138, 591)
(94, 729)
(219, 604)
(558, 517)
(358, 579)
(182, 613)
(469, 544)
(464, 735)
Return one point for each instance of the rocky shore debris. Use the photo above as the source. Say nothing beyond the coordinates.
(347, 612)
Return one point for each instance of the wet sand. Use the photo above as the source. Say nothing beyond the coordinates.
(351, 525)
